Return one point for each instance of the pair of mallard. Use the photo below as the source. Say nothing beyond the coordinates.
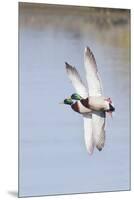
(90, 102)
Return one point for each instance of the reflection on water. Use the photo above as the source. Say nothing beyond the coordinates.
(53, 157)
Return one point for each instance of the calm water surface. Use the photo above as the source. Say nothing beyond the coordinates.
(53, 157)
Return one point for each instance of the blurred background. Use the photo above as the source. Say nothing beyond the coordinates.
(52, 154)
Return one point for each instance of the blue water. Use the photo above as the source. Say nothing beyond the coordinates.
(52, 153)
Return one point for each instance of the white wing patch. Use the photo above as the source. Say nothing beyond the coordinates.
(76, 81)
(92, 75)
(88, 133)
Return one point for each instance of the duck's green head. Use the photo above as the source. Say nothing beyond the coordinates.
(68, 101)
(76, 96)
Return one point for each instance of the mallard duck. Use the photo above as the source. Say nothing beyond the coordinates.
(90, 102)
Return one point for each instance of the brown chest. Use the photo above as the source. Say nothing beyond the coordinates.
(80, 108)
(75, 107)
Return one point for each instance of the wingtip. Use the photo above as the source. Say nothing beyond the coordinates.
(87, 50)
(99, 147)
(89, 54)
(90, 153)
(68, 66)
(90, 150)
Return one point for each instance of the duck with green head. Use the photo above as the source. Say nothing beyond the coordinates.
(90, 102)
(78, 105)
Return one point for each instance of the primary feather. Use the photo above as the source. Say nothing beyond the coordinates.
(76, 81)
(92, 75)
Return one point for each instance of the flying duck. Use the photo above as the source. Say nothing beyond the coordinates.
(90, 102)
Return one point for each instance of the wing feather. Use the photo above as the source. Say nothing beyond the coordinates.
(76, 81)
(88, 132)
(92, 75)
(98, 122)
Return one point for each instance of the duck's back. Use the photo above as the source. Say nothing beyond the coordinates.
(97, 103)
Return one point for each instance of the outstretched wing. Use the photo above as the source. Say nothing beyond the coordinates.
(82, 91)
(95, 89)
(76, 81)
(88, 132)
(92, 75)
